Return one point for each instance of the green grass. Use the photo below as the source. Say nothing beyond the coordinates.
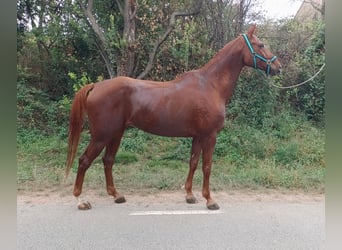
(245, 157)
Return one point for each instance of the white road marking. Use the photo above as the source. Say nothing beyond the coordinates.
(175, 212)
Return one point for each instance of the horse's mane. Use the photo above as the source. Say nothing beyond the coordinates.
(222, 52)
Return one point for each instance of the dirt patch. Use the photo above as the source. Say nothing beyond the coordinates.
(174, 197)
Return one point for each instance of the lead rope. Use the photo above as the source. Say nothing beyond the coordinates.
(299, 84)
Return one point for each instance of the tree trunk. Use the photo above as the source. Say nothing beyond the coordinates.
(244, 6)
(126, 62)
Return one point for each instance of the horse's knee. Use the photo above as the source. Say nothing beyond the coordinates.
(206, 170)
(194, 159)
(108, 161)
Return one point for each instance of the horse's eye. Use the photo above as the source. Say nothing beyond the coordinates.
(261, 45)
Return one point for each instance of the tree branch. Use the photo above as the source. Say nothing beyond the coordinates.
(120, 7)
(196, 10)
(105, 59)
(91, 19)
(88, 12)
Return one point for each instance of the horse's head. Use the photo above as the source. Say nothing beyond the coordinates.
(256, 55)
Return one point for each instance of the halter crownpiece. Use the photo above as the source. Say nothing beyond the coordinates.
(255, 56)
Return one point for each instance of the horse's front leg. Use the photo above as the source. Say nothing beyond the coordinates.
(195, 154)
(208, 147)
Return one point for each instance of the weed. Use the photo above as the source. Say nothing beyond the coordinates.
(125, 158)
(287, 154)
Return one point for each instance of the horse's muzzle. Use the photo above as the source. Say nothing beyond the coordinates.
(276, 69)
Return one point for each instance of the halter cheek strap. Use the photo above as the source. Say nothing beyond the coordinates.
(255, 56)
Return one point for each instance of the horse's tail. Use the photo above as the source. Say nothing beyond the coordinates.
(77, 114)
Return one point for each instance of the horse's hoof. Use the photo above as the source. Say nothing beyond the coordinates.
(191, 199)
(213, 206)
(84, 205)
(120, 199)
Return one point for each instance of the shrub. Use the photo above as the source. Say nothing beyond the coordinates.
(36, 113)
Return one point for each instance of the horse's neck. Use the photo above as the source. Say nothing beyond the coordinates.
(223, 70)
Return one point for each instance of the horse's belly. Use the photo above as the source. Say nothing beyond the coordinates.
(162, 128)
(178, 126)
(181, 118)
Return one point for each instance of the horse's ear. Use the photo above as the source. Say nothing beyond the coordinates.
(251, 30)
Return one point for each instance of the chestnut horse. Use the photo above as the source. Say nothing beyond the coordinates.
(192, 105)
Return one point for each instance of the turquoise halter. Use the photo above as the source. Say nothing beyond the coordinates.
(255, 56)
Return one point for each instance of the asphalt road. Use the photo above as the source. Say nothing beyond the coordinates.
(237, 225)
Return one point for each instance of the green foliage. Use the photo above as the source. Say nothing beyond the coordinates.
(78, 83)
(310, 98)
(180, 150)
(113, 34)
(36, 114)
(286, 154)
(302, 54)
(253, 101)
(126, 158)
(134, 141)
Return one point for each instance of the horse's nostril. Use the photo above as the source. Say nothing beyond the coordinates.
(279, 68)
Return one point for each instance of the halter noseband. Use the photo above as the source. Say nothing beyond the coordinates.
(255, 56)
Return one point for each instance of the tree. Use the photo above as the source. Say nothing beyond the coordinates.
(218, 20)
(196, 9)
(243, 8)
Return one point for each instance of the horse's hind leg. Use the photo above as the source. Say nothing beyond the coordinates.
(92, 151)
(195, 154)
(108, 161)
